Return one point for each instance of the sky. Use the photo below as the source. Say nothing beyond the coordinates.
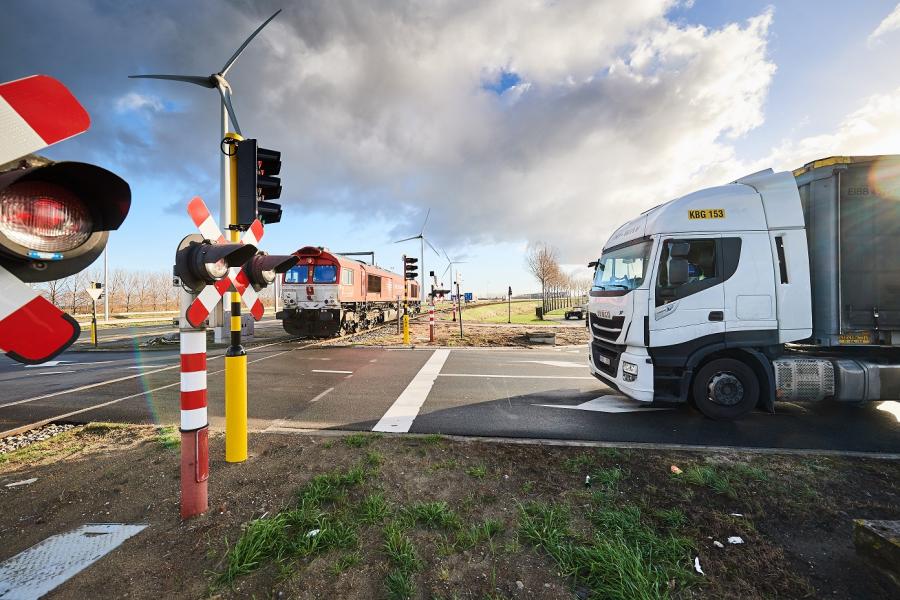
(512, 121)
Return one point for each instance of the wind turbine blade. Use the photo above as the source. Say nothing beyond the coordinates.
(415, 237)
(427, 214)
(447, 256)
(430, 246)
(226, 99)
(237, 53)
(445, 271)
(201, 81)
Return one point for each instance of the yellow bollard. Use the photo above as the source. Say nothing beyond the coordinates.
(406, 330)
(236, 408)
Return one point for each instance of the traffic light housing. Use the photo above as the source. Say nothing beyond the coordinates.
(410, 267)
(262, 269)
(55, 218)
(198, 262)
(257, 183)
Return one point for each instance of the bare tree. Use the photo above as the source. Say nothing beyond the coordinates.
(540, 260)
(53, 291)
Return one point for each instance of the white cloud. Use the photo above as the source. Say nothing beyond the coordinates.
(889, 24)
(132, 102)
(617, 109)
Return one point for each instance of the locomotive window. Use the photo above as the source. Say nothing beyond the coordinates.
(347, 277)
(374, 284)
(297, 275)
(324, 274)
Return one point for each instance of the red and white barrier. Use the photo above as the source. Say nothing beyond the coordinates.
(194, 424)
(431, 323)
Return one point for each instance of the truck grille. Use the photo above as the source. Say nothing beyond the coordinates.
(606, 356)
(607, 329)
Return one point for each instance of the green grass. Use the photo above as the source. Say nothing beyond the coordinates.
(168, 437)
(477, 471)
(433, 439)
(522, 312)
(312, 526)
(475, 534)
(578, 464)
(374, 508)
(359, 440)
(433, 514)
(709, 477)
(399, 585)
(624, 558)
(404, 559)
(608, 477)
(345, 562)
(101, 428)
(749, 473)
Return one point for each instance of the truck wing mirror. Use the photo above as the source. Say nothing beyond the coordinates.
(678, 269)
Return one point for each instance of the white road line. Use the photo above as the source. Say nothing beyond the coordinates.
(49, 363)
(512, 376)
(565, 364)
(402, 413)
(322, 395)
(116, 401)
(55, 372)
(329, 371)
(118, 379)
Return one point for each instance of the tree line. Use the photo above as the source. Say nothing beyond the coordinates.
(558, 288)
(129, 290)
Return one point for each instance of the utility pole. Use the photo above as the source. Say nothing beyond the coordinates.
(509, 305)
(106, 284)
(460, 306)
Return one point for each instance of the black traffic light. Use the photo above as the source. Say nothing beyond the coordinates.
(55, 218)
(198, 262)
(257, 183)
(262, 269)
(410, 267)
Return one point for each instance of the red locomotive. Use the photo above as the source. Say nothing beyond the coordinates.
(330, 294)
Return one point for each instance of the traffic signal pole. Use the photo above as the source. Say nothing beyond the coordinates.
(405, 305)
(235, 356)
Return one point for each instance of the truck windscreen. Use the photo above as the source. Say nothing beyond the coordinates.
(622, 268)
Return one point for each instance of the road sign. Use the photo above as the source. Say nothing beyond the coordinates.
(95, 290)
(210, 296)
(36, 112)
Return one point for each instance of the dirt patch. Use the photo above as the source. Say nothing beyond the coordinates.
(474, 334)
(429, 517)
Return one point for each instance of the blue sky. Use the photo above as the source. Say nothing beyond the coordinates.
(512, 127)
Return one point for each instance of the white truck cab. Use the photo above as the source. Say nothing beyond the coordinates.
(696, 299)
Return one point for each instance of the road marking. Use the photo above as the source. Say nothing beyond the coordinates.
(609, 404)
(49, 363)
(329, 371)
(18, 430)
(567, 364)
(118, 379)
(322, 395)
(56, 372)
(402, 413)
(513, 376)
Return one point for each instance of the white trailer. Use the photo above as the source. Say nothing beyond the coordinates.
(778, 286)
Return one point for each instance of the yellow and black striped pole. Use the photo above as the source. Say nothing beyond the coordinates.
(235, 356)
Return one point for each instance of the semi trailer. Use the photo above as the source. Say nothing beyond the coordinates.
(775, 287)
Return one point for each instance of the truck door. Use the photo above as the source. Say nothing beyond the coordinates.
(749, 285)
(687, 300)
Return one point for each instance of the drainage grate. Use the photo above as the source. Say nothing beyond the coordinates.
(36, 571)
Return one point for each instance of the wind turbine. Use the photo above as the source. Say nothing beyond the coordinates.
(422, 241)
(450, 263)
(217, 81)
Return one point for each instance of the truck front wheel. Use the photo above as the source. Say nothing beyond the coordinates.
(725, 388)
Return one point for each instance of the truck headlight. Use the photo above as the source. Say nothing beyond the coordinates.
(629, 371)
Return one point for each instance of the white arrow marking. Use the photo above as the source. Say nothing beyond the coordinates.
(566, 364)
(49, 363)
(609, 404)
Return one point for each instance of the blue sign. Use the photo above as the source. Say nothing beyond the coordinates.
(468, 296)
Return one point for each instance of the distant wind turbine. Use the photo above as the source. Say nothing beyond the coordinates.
(422, 241)
(450, 263)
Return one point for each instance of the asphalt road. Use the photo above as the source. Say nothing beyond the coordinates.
(544, 394)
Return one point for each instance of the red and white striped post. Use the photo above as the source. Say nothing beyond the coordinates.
(194, 423)
(431, 323)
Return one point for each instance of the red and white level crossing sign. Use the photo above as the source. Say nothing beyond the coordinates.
(209, 296)
(32, 330)
(36, 112)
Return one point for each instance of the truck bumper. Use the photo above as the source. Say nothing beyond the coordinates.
(641, 388)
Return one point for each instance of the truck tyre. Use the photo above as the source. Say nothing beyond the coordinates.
(725, 388)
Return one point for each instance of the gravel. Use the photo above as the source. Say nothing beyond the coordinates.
(14, 442)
